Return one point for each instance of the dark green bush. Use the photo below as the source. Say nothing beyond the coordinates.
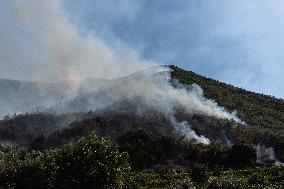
(242, 155)
(143, 148)
(163, 179)
(215, 153)
(226, 182)
(199, 173)
(258, 177)
(90, 163)
(22, 169)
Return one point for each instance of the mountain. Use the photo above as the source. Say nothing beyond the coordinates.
(179, 130)
(26, 96)
(23, 96)
(256, 109)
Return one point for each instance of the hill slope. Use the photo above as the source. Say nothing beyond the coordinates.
(169, 143)
(264, 114)
(23, 96)
(254, 108)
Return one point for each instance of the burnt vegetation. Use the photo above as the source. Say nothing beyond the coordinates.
(129, 150)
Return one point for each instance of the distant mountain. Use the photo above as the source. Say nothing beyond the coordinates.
(26, 96)
(23, 96)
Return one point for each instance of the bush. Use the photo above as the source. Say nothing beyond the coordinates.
(22, 169)
(227, 182)
(199, 173)
(258, 177)
(90, 163)
(164, 179)
(143, 148)
(215, 153)
(242, 155)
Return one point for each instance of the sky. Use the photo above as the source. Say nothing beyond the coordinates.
(237, 42)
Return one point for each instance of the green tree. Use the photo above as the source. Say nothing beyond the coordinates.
(91, 163)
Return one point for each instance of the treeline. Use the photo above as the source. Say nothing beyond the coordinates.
(144, 151)
(139, 160)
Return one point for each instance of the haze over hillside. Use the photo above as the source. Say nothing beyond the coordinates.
(169, 92)
(100, 112)
(145, 91)
(161, 105)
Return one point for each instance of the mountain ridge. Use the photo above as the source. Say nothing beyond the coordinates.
(189, 138)
(215, 90)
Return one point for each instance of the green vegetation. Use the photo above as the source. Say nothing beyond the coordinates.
(90, 163)
(143, 151)
(266, 177)
(255, 109)
(264, 114)
(95, 163)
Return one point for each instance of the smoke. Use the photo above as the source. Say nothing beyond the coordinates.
(266, 155)
(48, 48)
(53, 49)
(151, 91)
(185, 129)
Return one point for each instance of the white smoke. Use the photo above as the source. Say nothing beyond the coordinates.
(185, 129)
(39, 43)
(150, 90)
(265, 155)
(50, 48)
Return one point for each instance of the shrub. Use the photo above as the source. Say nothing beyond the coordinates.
(91, 163)
(22, 169)
(214, 153)
(242, 155)
(227, 182)
(199, 173)
(143, 148)
(164, 179)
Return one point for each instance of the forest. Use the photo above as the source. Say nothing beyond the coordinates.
(98, 149)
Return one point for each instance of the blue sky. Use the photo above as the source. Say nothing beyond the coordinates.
(237, 42)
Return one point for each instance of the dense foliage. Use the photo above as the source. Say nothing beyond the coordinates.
(255, 109)
(45, 150)
(158, 162)
(90, 163)
(264, 114)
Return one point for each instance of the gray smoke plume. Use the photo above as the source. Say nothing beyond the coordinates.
(150, 90)
(50, 48)
(185, 129)
(38, 43)
(266, 155)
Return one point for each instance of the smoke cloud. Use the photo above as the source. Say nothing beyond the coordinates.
(38, 36)
(45, 47)
(150, 91)
(266, 155)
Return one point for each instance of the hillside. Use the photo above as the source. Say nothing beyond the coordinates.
(157, 135)
(254, 108)
(263, 113)
(24, 96)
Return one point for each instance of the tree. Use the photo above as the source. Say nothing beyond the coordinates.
(91, 163)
